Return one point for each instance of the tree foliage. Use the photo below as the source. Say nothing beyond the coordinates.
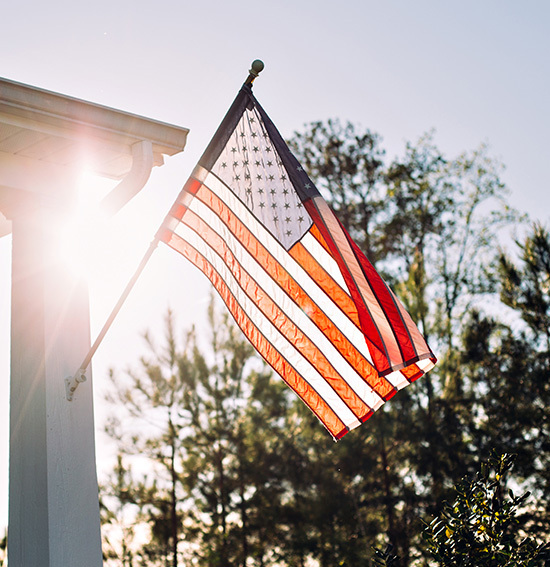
(481, 527)
(236, 472)
(204, 430)
(527, 289)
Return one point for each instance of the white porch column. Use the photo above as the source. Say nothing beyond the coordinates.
(53, 507)
(45, 139)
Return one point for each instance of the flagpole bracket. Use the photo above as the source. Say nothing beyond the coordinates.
(255, 69)
(71, 384)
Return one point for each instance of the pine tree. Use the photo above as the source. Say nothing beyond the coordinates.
(206, 427)
(432, 225)
(148, 429)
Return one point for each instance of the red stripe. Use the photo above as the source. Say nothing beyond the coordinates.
(345, 303)
(272, 356)
(388, 302)
(374, 340)
(325, 281)
(412, 372)
(396, 329)
(271, 310)
(380, 385)
(418, 339)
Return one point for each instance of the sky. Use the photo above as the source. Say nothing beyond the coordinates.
(475, 72)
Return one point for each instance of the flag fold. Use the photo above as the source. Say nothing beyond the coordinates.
(297, 285)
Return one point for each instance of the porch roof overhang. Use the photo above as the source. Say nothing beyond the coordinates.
(46, 137)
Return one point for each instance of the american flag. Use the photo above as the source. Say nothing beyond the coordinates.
(297, 285)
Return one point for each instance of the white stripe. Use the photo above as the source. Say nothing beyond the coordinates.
(425, 364)
(417, 339)
(272, 334)
(311, 244)
(397, 380)
(376, 311)
(293, 311)
(318, 295)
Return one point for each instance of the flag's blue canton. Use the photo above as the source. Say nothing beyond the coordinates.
(252, 168)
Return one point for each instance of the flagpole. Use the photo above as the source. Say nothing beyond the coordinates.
(71, 384)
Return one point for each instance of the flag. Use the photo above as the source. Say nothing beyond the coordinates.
(296, 284)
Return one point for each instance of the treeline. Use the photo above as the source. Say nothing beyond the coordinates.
(219, 465)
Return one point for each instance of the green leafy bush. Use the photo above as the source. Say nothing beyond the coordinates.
(480, 528)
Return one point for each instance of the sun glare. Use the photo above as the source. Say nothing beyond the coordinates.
(80, 236)
(103, 249)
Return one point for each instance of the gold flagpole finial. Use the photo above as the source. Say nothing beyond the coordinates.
(255, 70)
